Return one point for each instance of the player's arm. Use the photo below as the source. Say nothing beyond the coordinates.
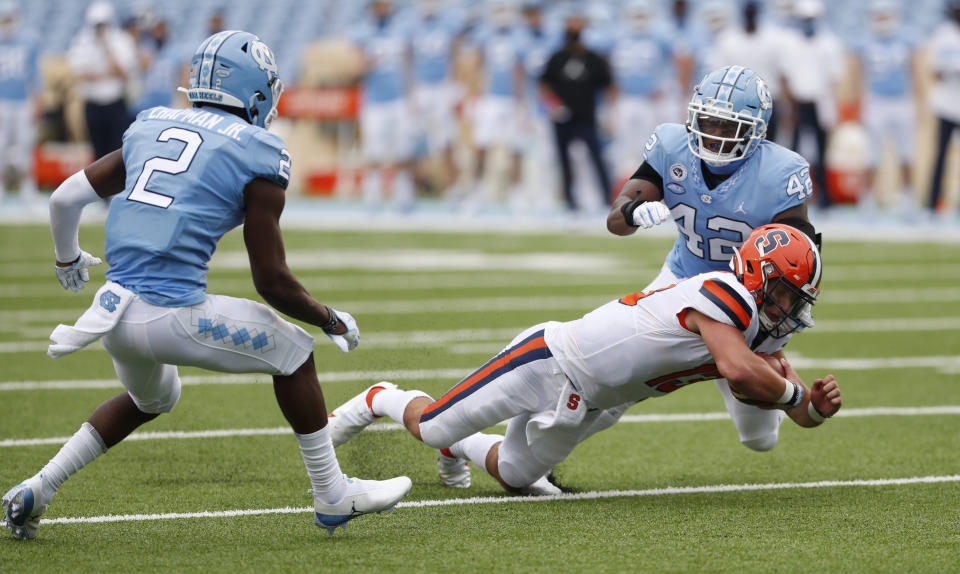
(645, 185)
(272, 278)
(752, 379)
(103, 178)
(749, 375)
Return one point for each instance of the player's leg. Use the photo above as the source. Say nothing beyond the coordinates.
(903, 119)
(521, 379)
(591, 138)
(23, 155)
(7, 125)
(152, 388)
(944, 135)
(228, 334)
(759, 429)
(562, 140)
(337, 499)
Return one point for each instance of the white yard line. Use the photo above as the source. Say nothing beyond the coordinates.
(403, 339)
(633, 419)
(324, 377)
(541, 302)
(949, 363)
(592, 495)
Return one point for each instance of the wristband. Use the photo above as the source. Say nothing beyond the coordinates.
(627, 210)
(331, 325)
(815, 415)
(792, 395)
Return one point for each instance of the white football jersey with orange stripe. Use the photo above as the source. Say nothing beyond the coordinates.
(637, 347)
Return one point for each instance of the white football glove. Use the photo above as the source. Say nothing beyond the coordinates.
(651, 213)
(348, 341)
(75, 276)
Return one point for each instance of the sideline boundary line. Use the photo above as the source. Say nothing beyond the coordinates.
(592, 495)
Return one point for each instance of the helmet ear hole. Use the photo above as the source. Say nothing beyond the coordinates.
(244, 47)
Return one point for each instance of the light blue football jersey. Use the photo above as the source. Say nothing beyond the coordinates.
(540, 45)
(888, 65)
(433, 48)
(186, 171)
(714, 221)
(18, 68)
(639, 63)
(385, 48)
(503, 50)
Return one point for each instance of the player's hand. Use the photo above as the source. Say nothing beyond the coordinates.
(75, 275)
(350, 337)
(650, 213)
(825, 396)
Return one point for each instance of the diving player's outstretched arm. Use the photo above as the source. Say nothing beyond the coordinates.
(272, 277)
(637, 205)
(751, 378)
(103, 178)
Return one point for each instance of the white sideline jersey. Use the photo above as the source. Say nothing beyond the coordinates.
(638, 346)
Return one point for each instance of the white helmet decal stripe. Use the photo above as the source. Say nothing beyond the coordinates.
(205, 71)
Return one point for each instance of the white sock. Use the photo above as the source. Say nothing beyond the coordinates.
(393, 402)
(476, 447)
(322, 466)
(371, 188)
(403, 193)
(83, 448)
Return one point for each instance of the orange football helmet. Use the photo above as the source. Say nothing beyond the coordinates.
(782, 268)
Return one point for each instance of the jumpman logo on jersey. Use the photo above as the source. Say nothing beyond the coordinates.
(740, 209)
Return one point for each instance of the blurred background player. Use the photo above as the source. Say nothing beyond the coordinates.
(19, 105)
(813, 64)
(886, 60)
(756, 45)
(195, 174)
(718, 179)
(386, 113)
(102, 58)
(436, 39)
(639, 61)
(163, 64)
(944, 52)
(572, 81)
(540, 181)
(500, 43)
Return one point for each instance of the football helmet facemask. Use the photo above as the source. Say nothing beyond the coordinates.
(781, 267)
(235, 69)
(728, 115)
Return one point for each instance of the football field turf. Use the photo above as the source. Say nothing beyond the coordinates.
(218, 484)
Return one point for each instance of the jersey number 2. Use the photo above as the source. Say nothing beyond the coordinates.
(140, 192)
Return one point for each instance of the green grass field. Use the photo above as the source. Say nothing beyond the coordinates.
(652, 494)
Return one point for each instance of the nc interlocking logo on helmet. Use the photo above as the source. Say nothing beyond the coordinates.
(235, 69)
(728, 115)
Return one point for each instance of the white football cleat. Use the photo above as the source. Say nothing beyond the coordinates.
(362, 497)
(347, 420)
(23, 505)
(454, 471)
(540, 487)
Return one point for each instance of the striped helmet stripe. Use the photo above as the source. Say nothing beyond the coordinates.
(205, 70)
(817, 263)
